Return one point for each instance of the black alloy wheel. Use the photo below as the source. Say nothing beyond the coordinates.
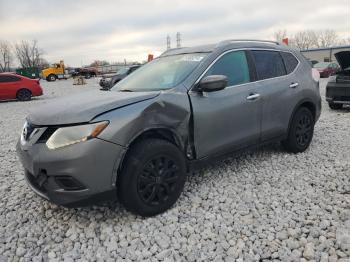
(303, 131)
(152, 177)
(300, 132)
(157, 180)
(24, 95)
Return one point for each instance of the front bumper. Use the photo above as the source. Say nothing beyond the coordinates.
(75, 175)
(338, 93)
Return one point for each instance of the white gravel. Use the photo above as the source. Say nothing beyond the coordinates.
(262, 205)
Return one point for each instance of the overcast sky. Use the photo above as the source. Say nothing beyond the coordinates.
(81, 31)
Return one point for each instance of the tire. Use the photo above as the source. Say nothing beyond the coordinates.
(87, 76)
(24, 95)
(335, 106)
(152, 178)
(300, 131)
(51, 78)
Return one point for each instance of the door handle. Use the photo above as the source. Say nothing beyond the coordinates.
(253, 97)
(294, 85)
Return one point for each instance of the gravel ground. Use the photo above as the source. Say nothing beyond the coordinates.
(262, 205)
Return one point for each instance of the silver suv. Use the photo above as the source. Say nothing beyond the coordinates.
(139, 140)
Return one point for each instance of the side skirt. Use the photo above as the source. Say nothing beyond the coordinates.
(205, 161)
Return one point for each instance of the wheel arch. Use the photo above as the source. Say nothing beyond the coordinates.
(164, 133)
(303, 103)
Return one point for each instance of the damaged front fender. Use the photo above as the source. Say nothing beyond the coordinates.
(169, 111)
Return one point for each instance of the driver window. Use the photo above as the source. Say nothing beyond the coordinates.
(234, 66)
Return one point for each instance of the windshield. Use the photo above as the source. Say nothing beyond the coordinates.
(123, 70)
(321, 65)
(160, 74)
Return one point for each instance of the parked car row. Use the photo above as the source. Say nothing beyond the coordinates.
(17, 86)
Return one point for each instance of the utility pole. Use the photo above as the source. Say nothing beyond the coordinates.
(178, 40)
(168, 44)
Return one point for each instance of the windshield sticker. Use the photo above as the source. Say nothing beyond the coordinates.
(191, 58)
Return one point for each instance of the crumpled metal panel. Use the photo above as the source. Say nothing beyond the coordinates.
(170, 110)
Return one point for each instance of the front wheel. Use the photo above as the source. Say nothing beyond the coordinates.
(152, 178)
(335, 106)
(300, 132)
(51, 78)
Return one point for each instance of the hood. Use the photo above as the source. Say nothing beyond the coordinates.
(84, 107)
(343, 59)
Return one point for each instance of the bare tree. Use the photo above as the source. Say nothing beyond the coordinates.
(280, 34)
(5, 56)
(28, 53)
(327, 38)
(305, 40)
(345, 41)
(43, 63)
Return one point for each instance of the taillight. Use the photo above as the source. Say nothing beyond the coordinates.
(315, 74)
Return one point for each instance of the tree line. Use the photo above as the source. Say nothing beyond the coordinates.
(306, 39)
(27, 53)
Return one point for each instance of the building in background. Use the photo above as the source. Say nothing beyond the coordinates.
(324, 54)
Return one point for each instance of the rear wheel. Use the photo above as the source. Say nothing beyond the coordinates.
(300, 132)
(152, 178)
(335, 106)
(24, 95)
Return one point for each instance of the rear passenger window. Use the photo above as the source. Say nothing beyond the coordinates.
(234, 65)
(289, 61)
(268, 64)
(6, 79)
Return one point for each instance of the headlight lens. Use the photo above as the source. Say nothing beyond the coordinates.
(66, 136)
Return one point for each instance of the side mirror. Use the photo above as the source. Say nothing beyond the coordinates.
(212, 83)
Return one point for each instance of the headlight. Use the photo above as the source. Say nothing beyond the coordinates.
(66, 136)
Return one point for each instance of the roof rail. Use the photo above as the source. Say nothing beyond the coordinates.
(247, 40)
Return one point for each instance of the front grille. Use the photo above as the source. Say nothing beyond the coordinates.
(47, 134)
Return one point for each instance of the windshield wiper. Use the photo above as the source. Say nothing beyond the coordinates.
(125, 90)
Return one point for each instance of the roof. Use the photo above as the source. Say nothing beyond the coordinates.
(236, 43)
(326, 48)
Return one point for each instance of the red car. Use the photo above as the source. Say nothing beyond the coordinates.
(14, 86)
(327, 69)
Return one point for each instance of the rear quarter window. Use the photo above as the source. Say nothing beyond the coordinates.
(268, 64)
(290, 61)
